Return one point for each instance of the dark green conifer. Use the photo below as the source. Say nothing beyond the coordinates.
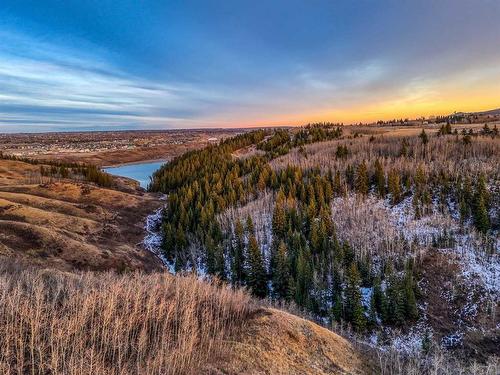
(379, 178)
(362, 181)
(281, 275)
(354, 309)
(257, 278)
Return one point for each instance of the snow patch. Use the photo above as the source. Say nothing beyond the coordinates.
(153, 239)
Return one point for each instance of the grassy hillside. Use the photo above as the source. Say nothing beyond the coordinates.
(53, 322)
(102, 323)
(389, 238)
(71, 224)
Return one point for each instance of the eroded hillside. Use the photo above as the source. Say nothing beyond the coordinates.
(70, 224)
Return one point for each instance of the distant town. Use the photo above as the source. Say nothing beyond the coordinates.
(115, 147)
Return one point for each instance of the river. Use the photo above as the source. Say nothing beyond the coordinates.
(138, 171)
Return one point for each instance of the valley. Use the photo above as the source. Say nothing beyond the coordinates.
(385, 239)
(249, 187)
(72, 225)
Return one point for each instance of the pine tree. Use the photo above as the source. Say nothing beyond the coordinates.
(354, 309)
(250, 226)
(391, 291)
(480, 206)
(423, 136)
(379, 178)
(404, 148)
(380, 300)
(394, 187)
(338, 307)
(215, 258)
(220, 271)
(447, 128)
(281, 275)
(279, 216)
(257, 278)
(303, 281)
(411, 304)
(410, 300)
(481, 218)
(362, 182)
(238, 266)
(314, 237)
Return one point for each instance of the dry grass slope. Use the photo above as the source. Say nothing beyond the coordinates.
(278, 343)
(53, 322)
(57, 323)
(69, 225)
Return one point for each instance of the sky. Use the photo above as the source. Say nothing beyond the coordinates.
(144, 64)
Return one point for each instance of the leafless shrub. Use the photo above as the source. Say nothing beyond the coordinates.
(54, 323)
(437, 362)
(261, 212)
(446, 154)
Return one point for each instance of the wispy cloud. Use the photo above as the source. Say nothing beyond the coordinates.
(60, 87)
(198, 64)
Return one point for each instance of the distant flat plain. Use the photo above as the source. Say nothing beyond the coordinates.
(110, 149)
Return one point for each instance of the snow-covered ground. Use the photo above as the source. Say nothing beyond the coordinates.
(153, 239)
(376, 227)
(261, 212)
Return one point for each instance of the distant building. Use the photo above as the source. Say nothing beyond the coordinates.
(213, 140)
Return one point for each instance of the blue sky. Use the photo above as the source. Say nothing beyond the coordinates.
(81, 65)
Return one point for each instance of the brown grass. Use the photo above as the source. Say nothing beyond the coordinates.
(57, 323)
(76, 225)
(276, 342)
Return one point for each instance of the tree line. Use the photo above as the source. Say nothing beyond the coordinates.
(60, 169)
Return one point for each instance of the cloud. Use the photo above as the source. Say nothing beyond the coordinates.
(197, 64)
(45, 86)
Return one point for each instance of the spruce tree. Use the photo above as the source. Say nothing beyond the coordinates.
(314, 237)
(214, 258)
(394, 186)
(379, 178)
(257, 278)
(238, 265)
(303, 281)
(404, 148)
(395, 300)
(338, 307)
(481, 218)
(250, 227)
(281, 275)
(423, 137)
(480, 206)
(362, 182)
(410, 300)
(279, 216)
(354, 309)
